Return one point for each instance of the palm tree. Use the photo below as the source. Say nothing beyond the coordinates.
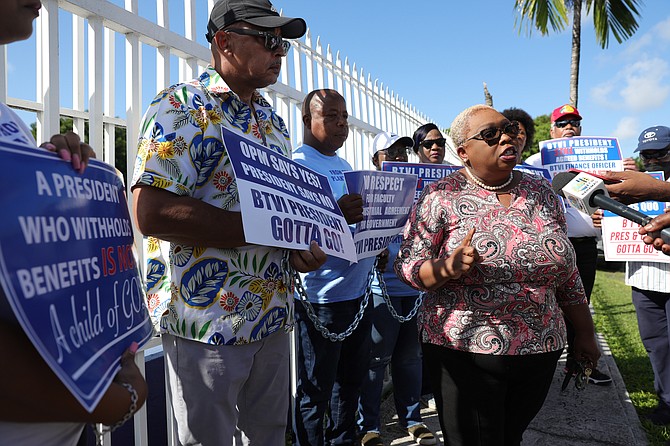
(616, 17)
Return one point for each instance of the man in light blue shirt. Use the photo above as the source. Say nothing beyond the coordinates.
(330, 373)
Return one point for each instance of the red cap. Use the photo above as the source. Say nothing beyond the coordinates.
(564, 110)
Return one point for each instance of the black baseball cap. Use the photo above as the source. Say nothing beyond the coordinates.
(256, 12)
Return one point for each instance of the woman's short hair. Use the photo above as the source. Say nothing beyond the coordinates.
(421, 133)
(461, 125)
(517, 114)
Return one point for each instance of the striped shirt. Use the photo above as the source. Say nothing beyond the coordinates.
(650, 276)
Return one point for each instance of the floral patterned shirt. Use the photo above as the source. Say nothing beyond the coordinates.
(211, 295)
(509, 303)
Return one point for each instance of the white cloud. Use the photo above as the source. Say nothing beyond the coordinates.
(651, 42)
(636, 47)
(601, 94)
(662, 29)
(627, 128)
(639, 86)
(645, 86)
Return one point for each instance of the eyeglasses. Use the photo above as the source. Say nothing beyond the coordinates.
(581, 370)
(492, 135)
(572, 122)
(272, 41)
(395, 152)
(654, 154)
(428, 143)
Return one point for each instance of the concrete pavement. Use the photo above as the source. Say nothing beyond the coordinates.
(598, 415)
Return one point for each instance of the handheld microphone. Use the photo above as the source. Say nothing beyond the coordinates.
(587, 193)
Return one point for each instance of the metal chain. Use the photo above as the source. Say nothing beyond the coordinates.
(334, 337)
(389, 304)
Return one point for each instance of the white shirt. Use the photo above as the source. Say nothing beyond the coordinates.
(650, 276)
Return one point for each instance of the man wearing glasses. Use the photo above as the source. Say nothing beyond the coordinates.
(566, 122)
(650, 283)
(222, 303)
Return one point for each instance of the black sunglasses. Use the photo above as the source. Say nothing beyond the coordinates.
(654, 154)
(272, 41)
(492, 135)
(428, 143)
(572, 122)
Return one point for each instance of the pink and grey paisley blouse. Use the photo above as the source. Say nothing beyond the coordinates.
(509, 303)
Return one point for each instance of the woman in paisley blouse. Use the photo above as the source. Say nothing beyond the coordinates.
(489, 247)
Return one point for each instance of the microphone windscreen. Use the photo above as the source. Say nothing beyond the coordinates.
(561, 180)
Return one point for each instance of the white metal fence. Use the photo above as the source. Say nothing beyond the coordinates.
(107, 59)
(115, 47)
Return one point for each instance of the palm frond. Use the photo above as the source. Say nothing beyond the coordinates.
(542, 15)
(615, 17)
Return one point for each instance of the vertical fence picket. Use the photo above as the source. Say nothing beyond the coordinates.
(96, 27)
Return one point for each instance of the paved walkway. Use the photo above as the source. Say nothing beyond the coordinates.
(598, 415)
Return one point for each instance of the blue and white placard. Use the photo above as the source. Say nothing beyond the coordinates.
(285, 204)
(387, 201)
(68, 266)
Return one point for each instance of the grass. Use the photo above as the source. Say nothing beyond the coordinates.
(615, 319)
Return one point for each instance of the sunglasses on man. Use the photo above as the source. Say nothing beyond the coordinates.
(271, 41)
(565, 122)
(654, 154)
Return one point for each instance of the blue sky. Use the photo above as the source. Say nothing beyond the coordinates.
(437, 54)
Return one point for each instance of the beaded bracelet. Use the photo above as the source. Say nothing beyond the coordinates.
(100, 433)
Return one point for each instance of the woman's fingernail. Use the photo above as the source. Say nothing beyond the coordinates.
(65, 154)
(76, 161)
(133, 347)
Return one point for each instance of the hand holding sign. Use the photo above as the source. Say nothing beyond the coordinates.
(651, 232)
(70, 148)
(351, 206)
(308, 260)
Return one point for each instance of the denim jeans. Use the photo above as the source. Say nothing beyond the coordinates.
(398, 344)
(330, 375)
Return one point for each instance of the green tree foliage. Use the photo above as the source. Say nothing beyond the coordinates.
(542, 127)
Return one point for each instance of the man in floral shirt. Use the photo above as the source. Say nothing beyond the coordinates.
(222, 304)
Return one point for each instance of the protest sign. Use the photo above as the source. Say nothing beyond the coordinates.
(285, 204)
(588, 153)
(537, 171)
(68, 266)
(426, 173)
(387, 201)
(621, 240)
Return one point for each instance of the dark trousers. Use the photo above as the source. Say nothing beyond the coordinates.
(652, 311)
(586, 251)
(487, 400)
(330, 375)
